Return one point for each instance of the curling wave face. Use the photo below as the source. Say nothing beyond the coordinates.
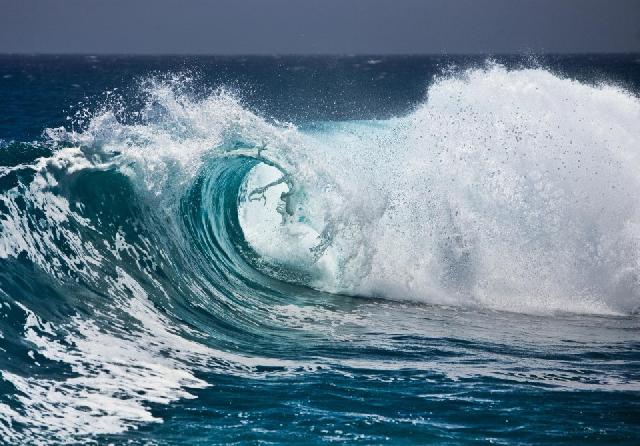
(176, 237)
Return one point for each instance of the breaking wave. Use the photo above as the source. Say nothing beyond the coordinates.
(151, 244)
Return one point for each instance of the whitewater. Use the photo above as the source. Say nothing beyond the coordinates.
(183, 268)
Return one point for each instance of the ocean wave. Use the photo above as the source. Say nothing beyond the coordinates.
(170, 235)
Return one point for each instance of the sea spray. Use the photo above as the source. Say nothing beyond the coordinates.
(513, 189)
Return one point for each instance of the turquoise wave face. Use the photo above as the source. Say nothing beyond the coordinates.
(190, 272)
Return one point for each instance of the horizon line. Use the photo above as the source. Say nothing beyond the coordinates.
(345, 55)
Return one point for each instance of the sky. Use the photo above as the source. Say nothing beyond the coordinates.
(319, 26)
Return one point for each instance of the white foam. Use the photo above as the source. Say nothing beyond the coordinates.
(515, 190)
(117, 374)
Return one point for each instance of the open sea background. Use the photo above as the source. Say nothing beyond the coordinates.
(310, 250)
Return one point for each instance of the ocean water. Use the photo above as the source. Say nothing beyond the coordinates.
(311, 250)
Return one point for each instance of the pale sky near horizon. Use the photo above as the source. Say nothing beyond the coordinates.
(319, 27)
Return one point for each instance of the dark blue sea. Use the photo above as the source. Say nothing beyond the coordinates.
(311, 250)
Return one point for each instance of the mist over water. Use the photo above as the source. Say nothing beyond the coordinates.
(175, 261)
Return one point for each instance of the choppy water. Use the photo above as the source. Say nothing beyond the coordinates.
(311, 250)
